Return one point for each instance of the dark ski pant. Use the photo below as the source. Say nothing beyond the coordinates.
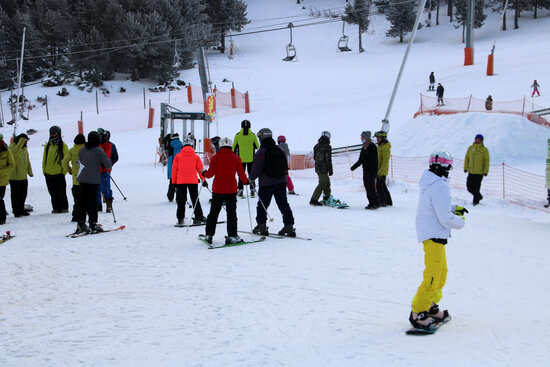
(473, 183)
(77, 204)
(369, 181)
(18, 190)
(265, 193)
(88, 203)
(171, 191)
(3, 212)
(383, 192)
(323, 187)
(230, 201)
(247, 168)
(181, 199)
(57, 187)
(104, 188)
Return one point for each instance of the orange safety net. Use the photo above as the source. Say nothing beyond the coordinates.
(222, 98)
(523, 107)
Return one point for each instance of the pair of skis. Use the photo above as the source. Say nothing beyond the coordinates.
(260, 239)
(77, 235)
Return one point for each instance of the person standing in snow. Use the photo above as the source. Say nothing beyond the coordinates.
(384, 154)
(281, 141)
(368, 158)
(91, 159)
(439, 93)
(105, 186)
(174, 147)
(18, 179)
(54, 152)
(489, 103)
(7, 165)
(186, 167)
(322, 155)
(245, 144)
(535, 87)
(271, 167)
(435, 217)
(432, 81)
(223, 167)
(73, 169)
(476, 165)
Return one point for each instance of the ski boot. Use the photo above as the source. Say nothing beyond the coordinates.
(240, 194)
(230, 240)
(315, 203)
(252, 193)
(291, 192)
(109, 205)
(288, 230)
(437, 314)
(421, 320)
(81, 228)
(199, 220)
(208, 238)
(261, 229)
(95, 228)
(372, 207)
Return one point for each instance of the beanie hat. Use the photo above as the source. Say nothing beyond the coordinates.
(366, 134)
(175, 136)
(479, 136)
(55, 130)
(80, 139)
(281, 139)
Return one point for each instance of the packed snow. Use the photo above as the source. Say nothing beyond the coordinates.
(153, 294)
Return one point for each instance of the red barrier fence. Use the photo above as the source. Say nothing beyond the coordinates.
(523, 107)
(503, 181)
(233, 98)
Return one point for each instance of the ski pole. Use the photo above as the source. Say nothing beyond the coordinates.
(196, 202)
(111, 177)
(113, 212)
(249, 212)
(261, 202)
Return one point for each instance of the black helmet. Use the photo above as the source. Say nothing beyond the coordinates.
(245, 124)
(264, 133)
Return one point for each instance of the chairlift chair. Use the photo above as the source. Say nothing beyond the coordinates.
(343, 41)
(290, 49)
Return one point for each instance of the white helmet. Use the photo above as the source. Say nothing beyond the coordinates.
(225, 142)
(326, 133)
(442, 159)
(189, 140)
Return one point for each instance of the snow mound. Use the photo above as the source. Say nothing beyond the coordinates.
(508, 137)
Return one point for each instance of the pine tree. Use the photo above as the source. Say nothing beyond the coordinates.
(226, 15)
(461, 13)
(402, 16)
(359, 13)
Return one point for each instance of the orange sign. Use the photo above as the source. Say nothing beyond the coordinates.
(210, 104)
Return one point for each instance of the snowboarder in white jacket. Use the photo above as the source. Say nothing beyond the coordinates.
(435, 217)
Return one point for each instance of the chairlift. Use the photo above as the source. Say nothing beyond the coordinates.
(290, 49)
(176, 63)
(343, 41)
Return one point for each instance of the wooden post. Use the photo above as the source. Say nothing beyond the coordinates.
(233, 100)
(469, 103)
(523, 108)
(144, 104)
(47, 111)
(96, 105)
(189, 94)
(246, 103)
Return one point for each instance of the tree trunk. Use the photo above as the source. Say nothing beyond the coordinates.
(360, 39)
(429, 14)
(535, 4)
(450, 10)
(437, 14)
(463, 31)
(222, 41)
(516, 14)
(401, 38)
(504, 16)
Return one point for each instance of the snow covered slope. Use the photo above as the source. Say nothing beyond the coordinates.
(154, 295)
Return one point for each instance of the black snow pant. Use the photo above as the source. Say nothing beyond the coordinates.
(265, 193)
(230, 201)
(323, 187)
(171, 191)
(369, 180)
(247, 168)
(383, 192)
(77, 204)
(18, 193)
(57, 187)
(3, 212)
(88, 203)
(473, 183)
(181, 199)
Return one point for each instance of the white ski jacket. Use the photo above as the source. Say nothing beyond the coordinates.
(434, 216)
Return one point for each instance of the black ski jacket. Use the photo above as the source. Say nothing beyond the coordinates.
(368, 158)
(322, 154)
(439, 91)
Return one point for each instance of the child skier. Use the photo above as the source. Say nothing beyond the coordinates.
(281, 141)
(185, 168)
(223, 166)
(435, 217)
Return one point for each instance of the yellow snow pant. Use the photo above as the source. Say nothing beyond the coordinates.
(435, 276)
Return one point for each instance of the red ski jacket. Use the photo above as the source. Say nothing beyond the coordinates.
(186, 166)
(107, 148)
(223, 166)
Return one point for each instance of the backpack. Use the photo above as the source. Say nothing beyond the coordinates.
(276, 164)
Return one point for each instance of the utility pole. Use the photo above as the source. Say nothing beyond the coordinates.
(469, 50)
(17, 112)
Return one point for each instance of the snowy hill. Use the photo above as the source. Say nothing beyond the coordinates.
(154, 295)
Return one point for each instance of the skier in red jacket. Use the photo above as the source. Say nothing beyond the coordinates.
(223, 167)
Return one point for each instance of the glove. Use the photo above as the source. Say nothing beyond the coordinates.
(460, 211)
(465, 171)
(330, 173)
(484, 175)
(204, 171)
(205, 183)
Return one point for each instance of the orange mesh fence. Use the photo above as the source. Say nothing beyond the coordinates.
(194, 94)
(503, 181)
(523, 107)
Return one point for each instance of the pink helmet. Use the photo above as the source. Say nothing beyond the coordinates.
(281, 139)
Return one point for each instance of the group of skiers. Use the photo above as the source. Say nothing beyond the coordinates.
(57, 161)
